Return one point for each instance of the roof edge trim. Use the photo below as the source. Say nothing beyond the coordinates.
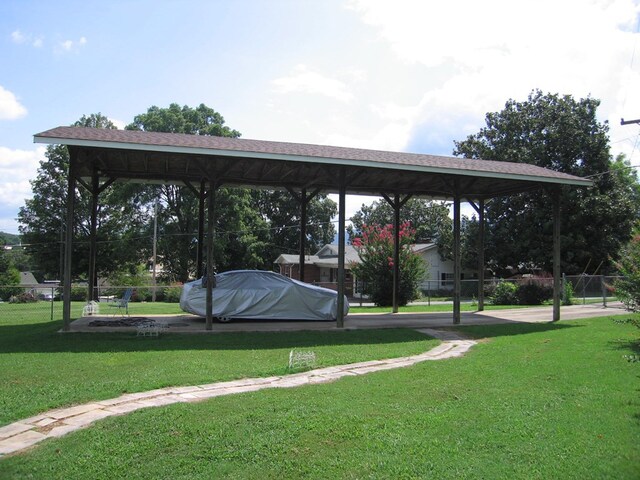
(299, 158)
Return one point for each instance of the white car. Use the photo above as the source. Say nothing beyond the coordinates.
(256, 294)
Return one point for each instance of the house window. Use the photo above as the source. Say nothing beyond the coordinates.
(447, 279)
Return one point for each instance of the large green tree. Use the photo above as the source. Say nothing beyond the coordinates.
(282, 211)
(238, 226)
(42, 218)
(563, 134)
(430, 220)
(252, 227)
(9, 277)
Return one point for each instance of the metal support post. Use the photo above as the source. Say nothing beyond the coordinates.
(341, 250)
(210, 273)
(68, 246)
(557, 280)
(456, 258)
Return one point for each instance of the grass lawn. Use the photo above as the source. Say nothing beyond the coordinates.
(48, 311)
(43, 311)
(41, 369)
(533, 401)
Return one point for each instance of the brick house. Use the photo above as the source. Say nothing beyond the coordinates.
(322, 268)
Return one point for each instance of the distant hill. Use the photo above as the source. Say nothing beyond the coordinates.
(9, 239)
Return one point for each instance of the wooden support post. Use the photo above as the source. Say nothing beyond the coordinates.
(154, 252)
(341, 249)
(456, 258)
(200, 247)
(68, 246)
(557, 281)
(481, 265)
(303, 233)
(92, 282)
(396, 252)
(396, 203)
(209, 273)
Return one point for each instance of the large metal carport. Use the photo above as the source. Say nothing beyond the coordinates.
(99, 157)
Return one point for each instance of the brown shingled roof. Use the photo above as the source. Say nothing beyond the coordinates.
(171, 157)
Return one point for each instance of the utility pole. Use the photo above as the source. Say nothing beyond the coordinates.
(629, 122)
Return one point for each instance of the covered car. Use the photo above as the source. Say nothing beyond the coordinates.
(256, 294)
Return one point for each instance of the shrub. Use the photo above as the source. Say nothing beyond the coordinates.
(627, 288)
(567, 293)
(141, 294)
(25, 297)
(172, 294)
(533, 294)
(505, 294)
(10, 283)
(79, 294)
(489, 289)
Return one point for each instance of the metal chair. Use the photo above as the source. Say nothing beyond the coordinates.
(122, 303)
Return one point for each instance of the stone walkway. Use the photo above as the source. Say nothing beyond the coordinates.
(55, 423)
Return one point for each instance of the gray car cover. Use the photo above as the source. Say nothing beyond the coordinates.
(257, 294)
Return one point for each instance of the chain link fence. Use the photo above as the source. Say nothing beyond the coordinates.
(44, 302)
(596, 289)
(592, 288)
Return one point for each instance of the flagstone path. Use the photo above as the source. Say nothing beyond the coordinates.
(55, 423)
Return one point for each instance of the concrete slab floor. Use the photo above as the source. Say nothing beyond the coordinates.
(185, 323)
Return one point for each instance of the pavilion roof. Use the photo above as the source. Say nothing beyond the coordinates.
(180, 159)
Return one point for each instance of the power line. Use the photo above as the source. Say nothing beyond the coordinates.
(219, 233)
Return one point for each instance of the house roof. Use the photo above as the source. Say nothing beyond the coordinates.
(290, 259)
(179, 159)
(327, 256)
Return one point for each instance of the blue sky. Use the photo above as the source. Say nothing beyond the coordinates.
(403, 75)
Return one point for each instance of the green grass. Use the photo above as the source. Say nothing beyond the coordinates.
(47, 311)
(41, 369)
(532, 402)
(42, 310)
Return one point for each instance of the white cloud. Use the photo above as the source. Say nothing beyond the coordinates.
(483, 53)
(10, 107)
(21, 38)
(304, 80)
(120, 124)
(18, 37)
(72, 45)
(18, 167)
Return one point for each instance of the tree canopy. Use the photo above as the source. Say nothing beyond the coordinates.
(562, 134)
(252, 227)
(9, 239)
(42, 219)
(430, 220)
(9, 277)
(238, 226)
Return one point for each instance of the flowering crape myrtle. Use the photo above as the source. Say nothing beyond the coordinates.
(375, 248)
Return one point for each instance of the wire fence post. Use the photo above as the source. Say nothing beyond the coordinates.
(603, 285)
